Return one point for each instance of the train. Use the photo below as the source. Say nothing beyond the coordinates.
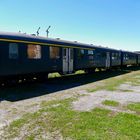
(25, 56)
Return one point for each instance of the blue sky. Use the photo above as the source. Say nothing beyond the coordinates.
(112, 23)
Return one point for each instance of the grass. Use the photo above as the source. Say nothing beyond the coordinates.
(112, 84)
(79, 72)
(58, 119)
(134, 107)
(126, 90)
(110, 103)
(56, 74)
(53, 75)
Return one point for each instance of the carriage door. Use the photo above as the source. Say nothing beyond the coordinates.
(107, 60)
(67, 60)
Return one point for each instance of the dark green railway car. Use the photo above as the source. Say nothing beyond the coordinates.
(24, 55)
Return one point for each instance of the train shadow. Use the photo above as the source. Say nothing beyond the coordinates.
(31, 90)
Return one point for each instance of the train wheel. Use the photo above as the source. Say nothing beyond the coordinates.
(42, 78)
(90, 71)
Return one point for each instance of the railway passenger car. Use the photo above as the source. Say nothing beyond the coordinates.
(129, 58)
(23, 56)
(138, 58)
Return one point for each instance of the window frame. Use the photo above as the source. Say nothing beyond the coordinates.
(16, 53)
(36, 50)
(81, 53)
(52, 55)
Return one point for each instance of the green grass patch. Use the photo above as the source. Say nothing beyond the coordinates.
(57, 116)
(110, 103)
(126, 90)
(53, 75)
(94, 89)
(112, 84)
(80, 72)
(134, 80)
(134, 107)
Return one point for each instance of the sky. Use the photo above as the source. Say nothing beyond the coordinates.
(109, 23)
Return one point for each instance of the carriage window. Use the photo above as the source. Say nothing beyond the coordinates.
(115, 56)
(34, 51)
(54, 53)
(81, 53)
(71, 54)
(90, 52)
(103, 54)
(13, 51)
(64, 52)
(126, 57)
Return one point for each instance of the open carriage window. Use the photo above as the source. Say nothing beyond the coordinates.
(54, 52)
(115, 56)
(90, 52)
(81, 53)
(34, 51)
(13, 51)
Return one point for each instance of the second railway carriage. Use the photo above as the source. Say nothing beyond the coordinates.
(89, 59)
(129, 58)
(28, 55)
(138, 59)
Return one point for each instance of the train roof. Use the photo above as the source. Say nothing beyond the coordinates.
(138, 52)
(43, 40)
(26, 38)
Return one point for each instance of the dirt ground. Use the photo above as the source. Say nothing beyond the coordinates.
(27, 98)
(93, 100)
